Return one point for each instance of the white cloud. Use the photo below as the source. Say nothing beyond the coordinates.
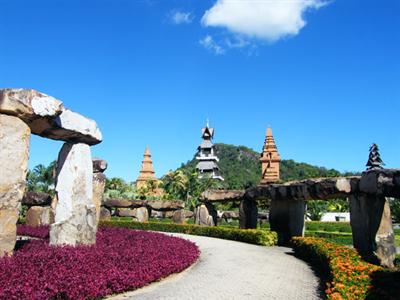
(267, 20)
(210, 44)
(181, 17)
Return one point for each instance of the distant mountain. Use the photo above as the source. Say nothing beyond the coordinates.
(241, 168)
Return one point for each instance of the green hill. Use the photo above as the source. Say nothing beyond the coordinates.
(241, 168)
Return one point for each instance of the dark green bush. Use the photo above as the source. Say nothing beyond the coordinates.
(251, 236)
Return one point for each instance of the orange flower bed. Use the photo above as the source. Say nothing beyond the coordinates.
(351, 277)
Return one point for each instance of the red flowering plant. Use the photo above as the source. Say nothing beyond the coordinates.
(41, 232)
(122, 260)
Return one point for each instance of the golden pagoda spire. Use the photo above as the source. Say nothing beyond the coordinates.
(270, 160)
(147, 172)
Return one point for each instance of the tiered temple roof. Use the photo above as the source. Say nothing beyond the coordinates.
(147, 172)
(270, 160)
(206, 157)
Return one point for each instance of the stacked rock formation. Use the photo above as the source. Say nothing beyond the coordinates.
(25, 111)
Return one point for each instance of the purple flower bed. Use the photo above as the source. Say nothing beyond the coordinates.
(123, 259)
(41, 232)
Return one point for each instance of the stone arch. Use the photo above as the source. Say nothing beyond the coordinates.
(24, 112)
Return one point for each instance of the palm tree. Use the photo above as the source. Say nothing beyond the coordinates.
(41, 179)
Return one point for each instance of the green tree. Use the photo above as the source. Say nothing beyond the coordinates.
(316, 209)
(41, 178)
(117, 188)
(395, 209)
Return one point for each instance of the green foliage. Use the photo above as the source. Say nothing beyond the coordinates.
(184, 184)
(316, 209)
(395, 209)
(251, 236)
(41, 179)
(338, 205)
(241, 168)
(118, 188)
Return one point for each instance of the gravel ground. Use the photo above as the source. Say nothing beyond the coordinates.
(233, 270)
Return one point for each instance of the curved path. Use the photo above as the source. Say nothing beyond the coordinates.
(233, 270)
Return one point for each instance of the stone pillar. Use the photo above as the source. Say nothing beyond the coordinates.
(75, 212)
(14, 156)
(212, 212)
(372, 228)
(248, 214)
(203, 217)
(286, 217)
(142, 214)
(99, 184)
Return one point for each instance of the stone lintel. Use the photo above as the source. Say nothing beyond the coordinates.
(159, 205)
(221, 195)
(47, 117)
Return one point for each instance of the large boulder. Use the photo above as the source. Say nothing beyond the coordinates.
(38, 216)
(203, 217)
(105, 214)
(142, 214)
(47, 116)
(75, 212)
(230, 215)
(36, 199)
(14, 155)
(126, 212)
(181, 216)
(165, 205)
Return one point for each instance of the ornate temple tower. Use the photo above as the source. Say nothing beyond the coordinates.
(270, 160)
(206, 157)
(147, 172)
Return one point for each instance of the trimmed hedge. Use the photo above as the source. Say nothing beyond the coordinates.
(350, 276)
(251, 236)
(328, 226)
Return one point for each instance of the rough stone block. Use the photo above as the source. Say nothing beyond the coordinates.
(142, 214)
(14, 155)
(38, 216)
(372, 229)
(75, 212)
(47, 116)
(248, 214)
(36, 199)
(105, 214)
(99, 184)
(99, 165)
(126, 212)
(181, 216)
(203, 217)
(287, 219)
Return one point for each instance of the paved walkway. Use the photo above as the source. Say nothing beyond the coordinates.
(233, 270)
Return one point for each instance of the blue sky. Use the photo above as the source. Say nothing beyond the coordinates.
(325, 76)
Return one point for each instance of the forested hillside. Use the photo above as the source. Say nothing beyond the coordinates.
(241, 168)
